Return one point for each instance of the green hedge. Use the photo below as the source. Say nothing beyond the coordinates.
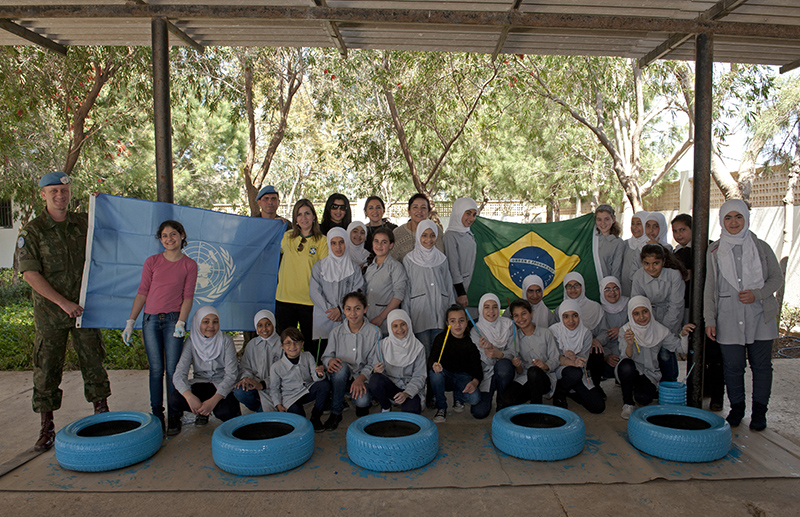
(16, 334)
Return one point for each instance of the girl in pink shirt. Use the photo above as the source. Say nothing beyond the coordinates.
(165, 292)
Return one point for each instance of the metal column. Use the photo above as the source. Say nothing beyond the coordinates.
(700, 211)
(161, 110)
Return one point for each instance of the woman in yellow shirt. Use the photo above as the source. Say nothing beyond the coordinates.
(302, 246)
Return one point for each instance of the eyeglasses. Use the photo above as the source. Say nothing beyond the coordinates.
(611, 289)
(573, 287)
(300, 246)
(338, 207)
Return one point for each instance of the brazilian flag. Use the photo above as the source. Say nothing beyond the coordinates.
(508, 252)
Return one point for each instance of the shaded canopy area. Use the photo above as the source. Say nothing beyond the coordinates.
(744, 31)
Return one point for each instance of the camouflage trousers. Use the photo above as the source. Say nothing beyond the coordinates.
(49, 349)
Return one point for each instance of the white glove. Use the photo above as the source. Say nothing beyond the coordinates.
(128, 332)
(180, 329)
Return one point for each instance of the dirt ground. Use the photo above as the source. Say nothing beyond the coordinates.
(751, 497)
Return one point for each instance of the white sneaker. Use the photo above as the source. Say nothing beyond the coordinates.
(387, 410)
(440, 416)
(458, 406)
(627, 409)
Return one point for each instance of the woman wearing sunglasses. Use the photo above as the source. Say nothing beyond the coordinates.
(336, 214)
(302, 246)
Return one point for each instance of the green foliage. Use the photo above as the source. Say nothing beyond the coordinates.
(790, 318)
(17, 334)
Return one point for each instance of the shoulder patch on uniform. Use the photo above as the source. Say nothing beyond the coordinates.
(20, 242)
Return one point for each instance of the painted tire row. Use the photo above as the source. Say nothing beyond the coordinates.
(267, 443)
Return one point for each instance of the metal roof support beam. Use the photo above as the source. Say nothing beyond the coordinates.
(788, 67)
(161, 110)
(715, 12)
(333, 31)
(700, 209)
(33, 37)
(515, 19)
(184, 37)
(501, 41)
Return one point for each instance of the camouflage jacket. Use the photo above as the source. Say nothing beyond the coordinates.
(57, 251)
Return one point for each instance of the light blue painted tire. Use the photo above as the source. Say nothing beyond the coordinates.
(540, 444)
(672, 393)
(115, 451)
(263, 456)
(693, 446)
(392, 454)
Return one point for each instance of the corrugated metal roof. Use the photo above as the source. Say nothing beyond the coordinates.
(745, 31)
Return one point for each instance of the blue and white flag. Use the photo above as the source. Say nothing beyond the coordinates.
(237, 260)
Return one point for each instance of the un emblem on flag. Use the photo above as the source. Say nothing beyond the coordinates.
(215, 270)
(530, 255)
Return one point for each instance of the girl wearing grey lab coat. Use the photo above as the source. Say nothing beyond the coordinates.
(664, 288)
(642, 337)
(631, 262)
(610, 248)
(740, 309)
(261, 352)
(401, 372)
(430, 287)
(386, 281)
(331, 278)
(460, 247)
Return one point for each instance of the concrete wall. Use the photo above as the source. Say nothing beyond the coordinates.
(8, 243)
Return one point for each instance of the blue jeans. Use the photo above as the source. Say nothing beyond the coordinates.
(455, 382)
(503, 374)
(318, 392)
(426, 337)
(249, 398)
(163, 352)
(340, 382)
(759, 354)
(384, 390)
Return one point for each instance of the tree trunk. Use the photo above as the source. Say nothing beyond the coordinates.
(79, 133)
(724, 179)
(251, 142)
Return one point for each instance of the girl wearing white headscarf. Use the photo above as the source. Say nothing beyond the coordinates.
(664, 287)
(656, 229)
(533, 291)
(574, 343)
(430, 286)
(591, 311)
(741, 279)
(261, 352)
(400, 374)
(211, 355)
(331, 279)
(605, 345)
(460, 247)
(494, 337)
(632, 263)
(358, 253)
(638, 369)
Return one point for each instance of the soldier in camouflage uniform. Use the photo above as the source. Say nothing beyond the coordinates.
(51, 250)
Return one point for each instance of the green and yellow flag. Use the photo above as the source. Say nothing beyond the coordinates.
(508, 252)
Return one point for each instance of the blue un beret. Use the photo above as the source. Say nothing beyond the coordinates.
(54, 178)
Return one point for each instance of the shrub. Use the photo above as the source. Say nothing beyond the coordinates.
(790, 318)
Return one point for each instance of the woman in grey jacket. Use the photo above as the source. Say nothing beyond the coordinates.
(741, 279)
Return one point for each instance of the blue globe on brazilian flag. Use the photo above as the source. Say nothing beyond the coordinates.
(508, 252)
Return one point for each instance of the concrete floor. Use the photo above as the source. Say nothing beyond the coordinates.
(753, 497)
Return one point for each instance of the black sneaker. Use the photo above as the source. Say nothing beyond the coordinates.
(560, 402)
(317, 424)
(201, 420)
(332, 422)
(600, 390)
(440, 416)
(174, 426)
(163, 421)
(362, 411)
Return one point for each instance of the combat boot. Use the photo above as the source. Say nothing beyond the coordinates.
(48, 433)
(101, 406)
